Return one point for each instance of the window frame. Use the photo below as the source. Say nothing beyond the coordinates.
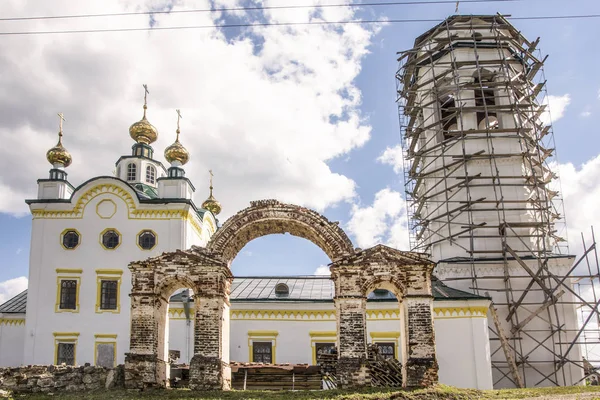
(65, 338)
(262, 337)
(66, 274)
(105, 232)
(139, 236)
(321, 337)
(62, 238)
(256, 345)
(105, 338)
(150, 174)
(108, 275)
(131, 172)
(390, 337)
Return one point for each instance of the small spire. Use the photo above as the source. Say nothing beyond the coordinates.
(61, 117)
(146, 93)
(178, 118)
(211, 178)
(211, 203)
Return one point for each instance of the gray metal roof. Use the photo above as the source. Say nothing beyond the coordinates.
(15, 305)
(301, 288)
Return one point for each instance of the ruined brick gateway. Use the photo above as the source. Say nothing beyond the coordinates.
(206, 270)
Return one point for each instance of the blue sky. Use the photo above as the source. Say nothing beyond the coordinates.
(571, 69)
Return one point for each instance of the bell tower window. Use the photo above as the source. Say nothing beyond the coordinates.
(150, 174)
(485, 100)
(131, 172)
(448, 116)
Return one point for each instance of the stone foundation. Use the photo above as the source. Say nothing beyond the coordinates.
(352, 373)
(421, 372)
(59, 378)
(209, 373)
(144, 371)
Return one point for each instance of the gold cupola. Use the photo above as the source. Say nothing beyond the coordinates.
(143, 131)
(211, 203)
(176, 154)
(58, 156)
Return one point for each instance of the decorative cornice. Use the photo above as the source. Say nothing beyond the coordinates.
(12, 321)
(133, 212)
(460, 312)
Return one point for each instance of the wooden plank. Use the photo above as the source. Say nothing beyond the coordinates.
(506, 348)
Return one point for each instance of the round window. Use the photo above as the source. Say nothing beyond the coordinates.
(70, 239)
(111, 239)
(147, 240)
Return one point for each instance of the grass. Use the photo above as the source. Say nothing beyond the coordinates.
(434, 393)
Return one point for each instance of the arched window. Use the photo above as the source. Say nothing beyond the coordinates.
(282, 290)
(448, 115)
(131, 172)
(485, 100)
(150, 174)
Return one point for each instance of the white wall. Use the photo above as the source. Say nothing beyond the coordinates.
(47, 254)
(12, 339)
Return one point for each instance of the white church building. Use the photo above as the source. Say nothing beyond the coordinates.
(76, 309)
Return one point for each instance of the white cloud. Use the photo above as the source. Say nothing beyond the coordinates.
(382, 222)
(11, 288)
(585, 113)
(322, 270)
(266, 109)
(392, 156)
(19, 250)
(556, 108)
(580, 191)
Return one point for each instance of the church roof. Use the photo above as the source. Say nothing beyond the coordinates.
(15, 305)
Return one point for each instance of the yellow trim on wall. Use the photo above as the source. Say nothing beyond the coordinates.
(105, 336)
(137, 239)
(390, 314)
(106, 201)
(262, 336)
(62, 234)
(384, 335)
(102, 338)
(65, 337)
(284, 315)
(69, 270)
(117, 232)
(133, 213)
(109, 271)
(460, 312)
(108, 275)
(320, 337)
(61, 278)
(12, 321)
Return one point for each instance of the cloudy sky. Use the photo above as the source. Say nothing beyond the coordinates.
(302, 113)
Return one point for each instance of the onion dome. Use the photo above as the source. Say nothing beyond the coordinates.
(58, 156)
(143, 131)
(176, 154)
(211, 203)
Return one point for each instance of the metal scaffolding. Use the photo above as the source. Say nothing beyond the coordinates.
(481, 193)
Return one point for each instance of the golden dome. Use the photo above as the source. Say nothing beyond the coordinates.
(58, 155)
(211, 204)
(143, 131)
(176, 152)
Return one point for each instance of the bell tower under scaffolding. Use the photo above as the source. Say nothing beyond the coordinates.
(482, 199)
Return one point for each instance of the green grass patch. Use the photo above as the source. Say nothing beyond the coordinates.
(434, 393)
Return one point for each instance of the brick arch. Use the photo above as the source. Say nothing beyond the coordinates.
(267, 217)
(391, 283)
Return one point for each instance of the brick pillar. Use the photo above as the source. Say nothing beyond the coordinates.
(209, 368)
(352, 345)
(144, 364)
(421, 364)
